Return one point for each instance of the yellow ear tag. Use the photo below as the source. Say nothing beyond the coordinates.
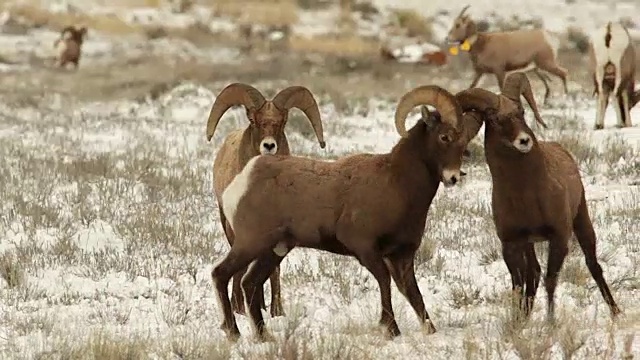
(465, 46)
(453, 50)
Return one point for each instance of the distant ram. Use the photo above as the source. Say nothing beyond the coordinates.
(612, 58)
(501, 53)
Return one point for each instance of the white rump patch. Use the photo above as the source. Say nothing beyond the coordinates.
(523, 142)
(232, 195)
(617, 45)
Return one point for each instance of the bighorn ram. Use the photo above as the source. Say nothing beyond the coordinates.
(369, 206)
(264, 135)
(69, 45)
(612, 60)
(537, 193)
(501, 53)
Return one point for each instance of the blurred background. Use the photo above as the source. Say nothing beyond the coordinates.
(342, 48)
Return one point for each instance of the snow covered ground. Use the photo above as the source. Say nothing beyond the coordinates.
(109, 230)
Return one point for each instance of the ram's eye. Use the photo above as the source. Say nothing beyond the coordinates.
(445, 138)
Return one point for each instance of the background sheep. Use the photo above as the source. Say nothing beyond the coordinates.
(500, 53)
(69, 46)
(372, 207)
(537, 192)
(612, 60)
(264, 135)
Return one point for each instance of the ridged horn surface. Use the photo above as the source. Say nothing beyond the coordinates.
(300, 97)
(432, 95)
(234, 94)
(517, 84)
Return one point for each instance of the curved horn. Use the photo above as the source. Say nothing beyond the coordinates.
(471, 122)
(517, 84)
(300, 97)
(477, 99)
(433, 95)
(234, 94)
(463, 10)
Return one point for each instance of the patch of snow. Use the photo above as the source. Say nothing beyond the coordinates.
(98, 236)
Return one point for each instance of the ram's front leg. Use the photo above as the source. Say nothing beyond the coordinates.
(476, 78)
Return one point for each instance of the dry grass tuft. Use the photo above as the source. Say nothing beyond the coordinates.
(348, 46)
(40, 17)
(11, 270)
(415, 24)
(270, 13)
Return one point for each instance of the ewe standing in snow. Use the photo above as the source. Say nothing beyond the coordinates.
(372, 207)
(501, 53)
(612, 60)
(264, 135)
(537, 193)
(69, 46)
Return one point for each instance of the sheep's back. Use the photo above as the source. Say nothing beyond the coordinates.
(309, 197)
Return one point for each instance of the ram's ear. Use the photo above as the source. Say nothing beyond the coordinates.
(431, 118)
(424, 112)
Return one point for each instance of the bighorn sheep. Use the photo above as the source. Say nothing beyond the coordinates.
(264, 135)
(612, 60)
(501, 53)
(537, 193)
(369, 206)
(69, 45)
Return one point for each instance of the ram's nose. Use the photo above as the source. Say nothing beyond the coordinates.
(451, 177)
(268, 146)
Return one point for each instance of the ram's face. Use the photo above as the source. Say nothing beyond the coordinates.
(447, 142)
(267, 128)
(510, 125)
(459, 30)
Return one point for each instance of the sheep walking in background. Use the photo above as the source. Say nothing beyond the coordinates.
(501, 53)
(369, 206)
(69, 46)
(264, 135)
(537, 193)
(612, 59)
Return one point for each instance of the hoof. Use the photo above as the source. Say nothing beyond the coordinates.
(598, 127)
(428, 327)
(392, 331)
(238, 308)
(266, 336)
(615, 312)
(233, 334)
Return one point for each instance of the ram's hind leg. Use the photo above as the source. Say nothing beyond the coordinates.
(586, 236)
(556, 70)
(237, 299)
(252, 282)
(603, 101)
(401, 267)
(625, 107)
(221, 274)
(544, 78)
(374, 262)
(276, 297)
